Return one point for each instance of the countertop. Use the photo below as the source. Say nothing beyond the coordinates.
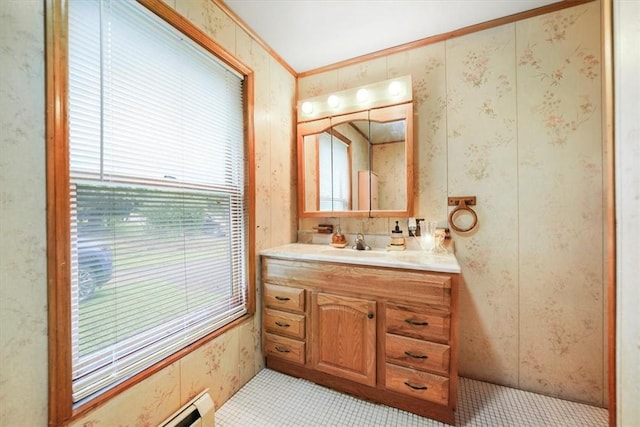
(413, 259)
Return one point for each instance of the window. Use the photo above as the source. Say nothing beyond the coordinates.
(157, 249)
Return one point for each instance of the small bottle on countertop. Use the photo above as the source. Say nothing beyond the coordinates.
(338, 240)
(397, 239)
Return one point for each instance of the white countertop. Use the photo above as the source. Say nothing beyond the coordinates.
(413, 259)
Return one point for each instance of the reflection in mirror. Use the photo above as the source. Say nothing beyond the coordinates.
(382, 185)
(328, 157)
(355, 134)
(332, 151)
(335, 176)
(332, 158)
(353, 164)
(392, 160)
(388, 178)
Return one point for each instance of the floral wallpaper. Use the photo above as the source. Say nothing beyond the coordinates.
(222, 365)
(512, 115)
(561, 173)
(482, 161)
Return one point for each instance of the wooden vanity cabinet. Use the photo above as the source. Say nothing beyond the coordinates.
(384, 334)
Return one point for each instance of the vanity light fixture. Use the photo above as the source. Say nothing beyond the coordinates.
(374, 95)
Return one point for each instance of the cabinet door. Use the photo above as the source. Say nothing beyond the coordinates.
(344, 337)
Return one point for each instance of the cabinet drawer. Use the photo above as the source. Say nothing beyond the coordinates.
(431, 324)
(414, 353)
(284, 298)
(284, 348)
(417, 384)
(281, 322)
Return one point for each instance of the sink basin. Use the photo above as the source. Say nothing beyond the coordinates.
(352, 253)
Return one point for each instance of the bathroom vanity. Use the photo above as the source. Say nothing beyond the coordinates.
(379, 325)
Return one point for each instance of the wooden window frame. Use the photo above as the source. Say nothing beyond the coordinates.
(61, 409)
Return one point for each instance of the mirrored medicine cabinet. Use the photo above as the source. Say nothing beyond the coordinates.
(355, 152)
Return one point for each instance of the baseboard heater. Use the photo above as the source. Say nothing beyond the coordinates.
(198, 412)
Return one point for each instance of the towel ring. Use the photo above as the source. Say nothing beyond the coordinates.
(462, 204)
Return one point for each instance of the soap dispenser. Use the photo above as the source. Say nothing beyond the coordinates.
(397, 239)
(338, 240)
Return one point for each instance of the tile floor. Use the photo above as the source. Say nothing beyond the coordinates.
(273, 399)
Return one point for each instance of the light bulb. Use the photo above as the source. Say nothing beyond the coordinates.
(307, 107)
(395, 88)
(362, 95)
(333, 101)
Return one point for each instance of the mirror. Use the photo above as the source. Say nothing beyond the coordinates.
(358, 164)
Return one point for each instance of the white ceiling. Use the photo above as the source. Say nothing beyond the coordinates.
(310, 34)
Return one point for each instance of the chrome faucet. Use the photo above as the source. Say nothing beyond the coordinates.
(361, 245)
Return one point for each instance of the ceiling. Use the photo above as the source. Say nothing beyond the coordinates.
(309, 34)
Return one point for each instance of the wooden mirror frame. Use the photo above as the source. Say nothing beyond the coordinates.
(382, 114)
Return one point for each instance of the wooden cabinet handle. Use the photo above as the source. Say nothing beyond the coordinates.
(282, 325)
(370, 315)
(416, 356)
(279, 298)
(282, 349)
(415, 387)
(416, 322)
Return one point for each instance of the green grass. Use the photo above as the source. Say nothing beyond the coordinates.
(128, 252)
(151, 257)
(146, 290)
(114, 314)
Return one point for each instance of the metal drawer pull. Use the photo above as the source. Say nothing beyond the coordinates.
(415, 387)
(416, 356)
(282, 325)
(279, 298)
(416, 322)
(282, 349)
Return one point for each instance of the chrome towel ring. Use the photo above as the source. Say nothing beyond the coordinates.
(462, 204)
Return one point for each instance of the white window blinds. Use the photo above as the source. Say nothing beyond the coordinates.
(157, 193)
